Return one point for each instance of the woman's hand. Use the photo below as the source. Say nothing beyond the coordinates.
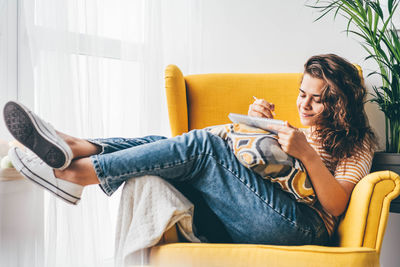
(261, 108)
(294, 142)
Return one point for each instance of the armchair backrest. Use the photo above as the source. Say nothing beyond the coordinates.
(198, 101)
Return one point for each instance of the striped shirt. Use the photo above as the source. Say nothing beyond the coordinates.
(351, 170)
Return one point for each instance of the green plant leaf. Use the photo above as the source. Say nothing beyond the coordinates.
(388, 20)
(325, 12)
(387, 40)
(348, 26)
(361, 9)
(369, 16)
(377, 8)
(390, 6)
(396, 42)
(380, 74)
(376, 20)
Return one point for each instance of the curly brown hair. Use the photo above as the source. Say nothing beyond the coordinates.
(342, 127)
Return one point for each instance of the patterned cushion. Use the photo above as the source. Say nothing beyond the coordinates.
(260, 151)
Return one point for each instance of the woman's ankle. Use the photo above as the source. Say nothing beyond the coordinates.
(80, 147)
(81, 171)
(71, 142)
(67, 175)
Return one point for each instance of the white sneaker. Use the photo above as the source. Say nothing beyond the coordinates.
(33, 168)
(37, 135)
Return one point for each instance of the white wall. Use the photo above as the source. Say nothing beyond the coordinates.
(390, 255)
(269, 36)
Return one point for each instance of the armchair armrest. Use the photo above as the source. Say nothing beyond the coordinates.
(365, 220)
(176, 99)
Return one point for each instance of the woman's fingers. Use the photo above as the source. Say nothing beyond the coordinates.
(282, 130)
(292, 141)
(265, 105)
(277, 128)
(263, 102)
(261, 108)
(260, 111)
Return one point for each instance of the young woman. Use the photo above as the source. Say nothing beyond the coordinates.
(336, 151)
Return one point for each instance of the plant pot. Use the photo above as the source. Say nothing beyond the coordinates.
(383, 161)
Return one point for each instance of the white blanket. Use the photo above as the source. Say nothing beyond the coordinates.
(149, 207)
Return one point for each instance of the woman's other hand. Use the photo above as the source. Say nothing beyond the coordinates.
(293, 141)
(261, 108)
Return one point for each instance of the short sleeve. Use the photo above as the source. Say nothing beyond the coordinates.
(354, 168)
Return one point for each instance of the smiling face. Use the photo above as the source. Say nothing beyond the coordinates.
(309, 103)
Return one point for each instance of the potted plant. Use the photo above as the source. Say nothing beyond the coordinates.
(372, 22)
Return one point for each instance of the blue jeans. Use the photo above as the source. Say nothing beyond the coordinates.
(252, 210)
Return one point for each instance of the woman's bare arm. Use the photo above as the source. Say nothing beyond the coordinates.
(332, 194)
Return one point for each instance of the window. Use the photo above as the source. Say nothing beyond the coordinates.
(8, 55)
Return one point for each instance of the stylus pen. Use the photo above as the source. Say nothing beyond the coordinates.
(273, 112)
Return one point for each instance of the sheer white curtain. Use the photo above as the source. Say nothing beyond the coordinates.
(96, 68)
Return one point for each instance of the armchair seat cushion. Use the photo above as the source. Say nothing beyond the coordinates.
(243, 255)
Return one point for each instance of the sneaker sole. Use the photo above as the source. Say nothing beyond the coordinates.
(21, 168)
(28, 132)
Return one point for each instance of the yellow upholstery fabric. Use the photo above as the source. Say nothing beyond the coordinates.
(241, 255)
(365, 220)
(197, 101)
(211, 97)
(177, 104)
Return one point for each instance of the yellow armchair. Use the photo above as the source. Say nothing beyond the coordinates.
(197, 101)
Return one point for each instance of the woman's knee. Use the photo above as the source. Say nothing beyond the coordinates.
(206, 140)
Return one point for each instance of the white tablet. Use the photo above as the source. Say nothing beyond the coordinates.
(257, 122)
